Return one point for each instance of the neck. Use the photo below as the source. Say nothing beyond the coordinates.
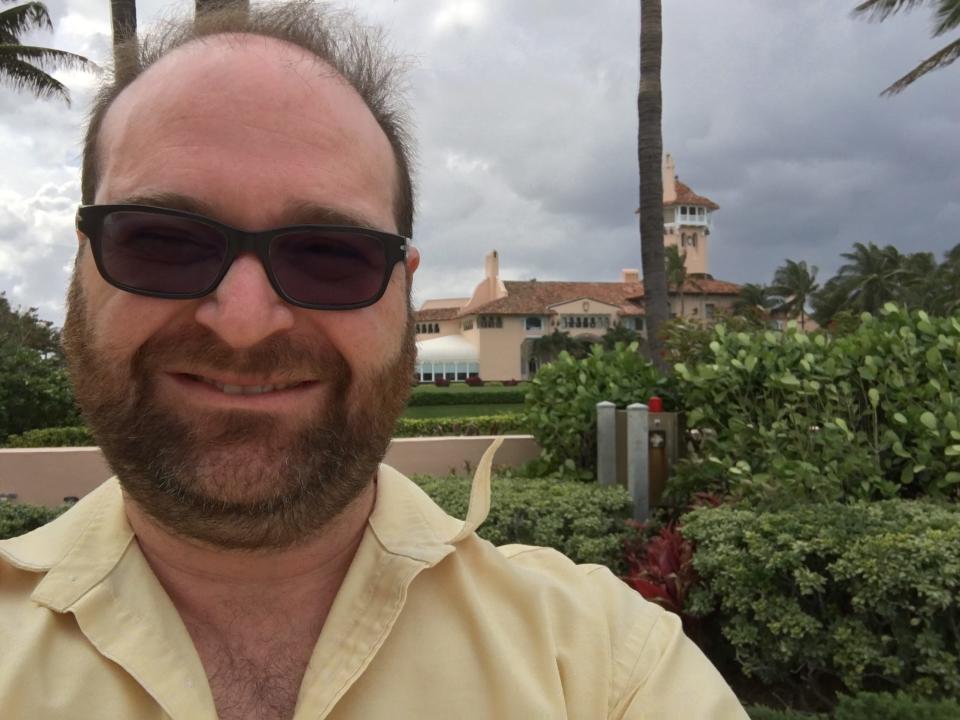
(203, 580)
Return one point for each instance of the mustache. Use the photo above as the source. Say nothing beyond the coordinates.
(199, 348)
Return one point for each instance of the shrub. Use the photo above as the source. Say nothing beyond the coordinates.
(765, 713)
(53, 437)
(474, 381)
(505, 424)
(886, 706)
(511, 383)
(563, 397)
(19, 519)
(661, 569)
(812, 418)
(587, 523)
(441, 382)
(462, 395)
(866, 595)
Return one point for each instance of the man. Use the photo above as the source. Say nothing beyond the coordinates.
(239, 336)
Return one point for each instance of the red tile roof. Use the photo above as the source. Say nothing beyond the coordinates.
(686, 196)
(436, 314)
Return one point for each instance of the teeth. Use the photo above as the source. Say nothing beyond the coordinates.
(245, 389)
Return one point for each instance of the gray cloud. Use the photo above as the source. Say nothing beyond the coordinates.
(526, 119)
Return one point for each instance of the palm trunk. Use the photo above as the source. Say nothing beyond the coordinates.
(650, 161)
(123, 14)
(201, 6)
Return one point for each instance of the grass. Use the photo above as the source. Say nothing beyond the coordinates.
(440, 411)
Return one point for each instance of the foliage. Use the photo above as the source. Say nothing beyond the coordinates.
(790, 417)
(73, 436)
(489, 394)
(866, 595)
(661, 569)
(547, 348)
(35, 391)
(620, 334)
(889, 706)
(754, 304)
(26, 66)
(505, 424)
(562, 403)
(873, 276)
(947, 19)
(19, 519)
(795, 283)
(587, 523)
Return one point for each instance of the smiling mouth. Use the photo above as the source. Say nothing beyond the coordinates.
(228, 389)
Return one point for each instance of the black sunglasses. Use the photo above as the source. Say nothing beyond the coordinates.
(179, 255)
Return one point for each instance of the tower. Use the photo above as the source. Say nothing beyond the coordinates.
(686, 219)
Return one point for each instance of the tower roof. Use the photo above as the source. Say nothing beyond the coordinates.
(686, 196)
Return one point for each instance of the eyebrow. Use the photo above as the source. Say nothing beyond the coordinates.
(296, 212)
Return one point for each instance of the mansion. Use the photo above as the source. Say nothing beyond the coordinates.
(491, 333)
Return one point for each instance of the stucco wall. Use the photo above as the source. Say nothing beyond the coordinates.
(45, 476)
(500, 349)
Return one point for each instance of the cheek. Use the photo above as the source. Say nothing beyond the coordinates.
(120, 322)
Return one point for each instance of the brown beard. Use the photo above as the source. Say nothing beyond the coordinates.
(239, 480)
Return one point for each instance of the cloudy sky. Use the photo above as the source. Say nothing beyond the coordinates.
(526, 121)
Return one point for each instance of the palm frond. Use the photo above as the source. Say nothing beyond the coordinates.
(948, 17)
(880, 10)
(24, 76)
(938, 60)
(45, 58)
(17, 20)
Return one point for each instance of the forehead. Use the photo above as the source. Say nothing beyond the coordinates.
(247, 124)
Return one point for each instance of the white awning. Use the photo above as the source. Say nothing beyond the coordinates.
(451, 348)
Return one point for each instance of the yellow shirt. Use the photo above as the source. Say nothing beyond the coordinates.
(430, 622)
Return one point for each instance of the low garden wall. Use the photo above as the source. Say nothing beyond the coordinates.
(45, 476)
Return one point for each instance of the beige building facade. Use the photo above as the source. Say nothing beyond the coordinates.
(491, 333)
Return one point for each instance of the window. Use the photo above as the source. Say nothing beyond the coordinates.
(490, 321)
(533, 323)
(468, 324)
(711, 310)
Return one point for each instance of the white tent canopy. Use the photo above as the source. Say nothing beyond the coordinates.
(451, 357)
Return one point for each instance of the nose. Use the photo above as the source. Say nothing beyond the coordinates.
(245, 309)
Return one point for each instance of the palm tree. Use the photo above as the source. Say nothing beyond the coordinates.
(795, 283)
(947, 18)
(677, 272)
(123, 13)
(754, 302)
(650, 161)
(25, 66)
(871, 277)
(201, 6)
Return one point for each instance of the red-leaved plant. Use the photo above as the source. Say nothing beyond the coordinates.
(661, 567)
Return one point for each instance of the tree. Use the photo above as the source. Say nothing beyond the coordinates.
(650, 161)
(34, 389)
(871, 277)
(546, 348)
(677, 272)
(202, 6)
(123, 14)
(26, 67)
(947, 18)
(795, 283)
(754, 303)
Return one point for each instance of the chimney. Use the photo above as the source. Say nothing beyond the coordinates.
(492, 268)
(669, 179)
(630, 275)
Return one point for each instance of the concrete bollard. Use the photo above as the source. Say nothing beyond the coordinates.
(606, 443)
(638, 459)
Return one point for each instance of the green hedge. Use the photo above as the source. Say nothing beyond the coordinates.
(19, 519)
(585, 522)
(53, 437)
(821, 594)
(871, 706)
(505, 424)
(563, 397)
(466, 395)
(809, 418)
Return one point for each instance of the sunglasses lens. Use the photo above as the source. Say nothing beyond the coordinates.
(329, 267)
(161, 253)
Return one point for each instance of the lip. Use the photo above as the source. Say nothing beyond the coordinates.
(204, 390)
